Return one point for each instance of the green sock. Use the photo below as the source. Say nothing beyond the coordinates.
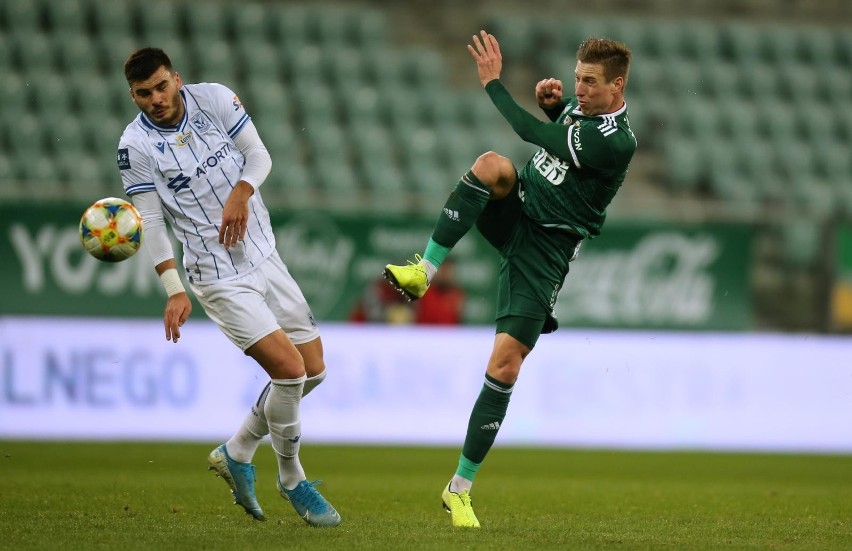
(463, 207)
(485, 419)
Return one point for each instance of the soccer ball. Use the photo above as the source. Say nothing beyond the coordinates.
(111, 230)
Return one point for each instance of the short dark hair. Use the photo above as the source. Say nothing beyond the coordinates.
(143, 62)
(614, 56)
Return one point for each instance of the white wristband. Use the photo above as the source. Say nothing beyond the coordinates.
(171, 282)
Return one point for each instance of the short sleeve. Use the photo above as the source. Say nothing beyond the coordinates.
(229, 109)
(135, 169)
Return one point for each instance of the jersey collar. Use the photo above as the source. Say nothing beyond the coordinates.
(148, 123)
(617, 112)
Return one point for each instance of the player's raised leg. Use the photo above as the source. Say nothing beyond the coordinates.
(491, 176)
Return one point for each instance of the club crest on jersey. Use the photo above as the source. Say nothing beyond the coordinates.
(200, 122)
(183, 139)
(568, 121)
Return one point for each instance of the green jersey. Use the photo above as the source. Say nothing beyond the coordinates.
(582, 162)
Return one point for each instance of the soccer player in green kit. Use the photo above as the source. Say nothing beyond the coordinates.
(535, 218)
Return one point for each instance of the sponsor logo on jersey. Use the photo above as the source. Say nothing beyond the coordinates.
(183, 139)
(179, 182)
(123, 159)
(161, 146)
(575, 139)
(200, 122)
(237, 103)
(552, 168)
(220, 155)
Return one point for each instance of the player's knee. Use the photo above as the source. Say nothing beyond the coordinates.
(495, 171)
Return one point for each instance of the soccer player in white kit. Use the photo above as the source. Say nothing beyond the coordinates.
(193, 157)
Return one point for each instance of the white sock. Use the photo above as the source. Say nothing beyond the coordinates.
(243, 445)
(458, 483)
(430, 269)
(285, 428)
(313, 382)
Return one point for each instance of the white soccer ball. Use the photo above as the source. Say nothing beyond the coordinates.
(111, 230)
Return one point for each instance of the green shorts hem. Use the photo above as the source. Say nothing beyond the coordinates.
(527, 330)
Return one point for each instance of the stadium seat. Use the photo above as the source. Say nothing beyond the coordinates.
(798, 83)
(701, 43)
(739, 42)
(66, 137)
(327, 143)
(21, 16)
(267, 101)
(214, 62)
(684, 163)
(158, 20)
(518, 36)
(344, 67)
(833, 162)
(260, 61)
(843, 47)
(250, 23)
(67, 18)
(779, 44)
(664, 41)
(721, 81)
(817, 47)
(293, 26)
(363, 105)
(281, 140)
(17, 99)
(292, 180)
(313, 103)
(759, 82)
(113, 20)
(34, 53)
(207, 24)
(371, 29)
(336, 176)
(777, 121)
(695, 117)
(385, 180)
(683, 79)
(51, 95)
(739, 120)
(77, 54)
(728, 181)
(802, 241)
(305, 61)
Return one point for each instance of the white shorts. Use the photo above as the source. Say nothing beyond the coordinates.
(249, 307)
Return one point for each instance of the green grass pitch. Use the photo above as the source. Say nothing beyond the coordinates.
(58, 495)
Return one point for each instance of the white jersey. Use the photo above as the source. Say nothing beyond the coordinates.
(193, 167)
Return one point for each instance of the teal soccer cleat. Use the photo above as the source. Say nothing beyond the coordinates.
(310, 504)
(240, 478)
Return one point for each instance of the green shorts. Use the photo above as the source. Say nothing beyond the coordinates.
(533, 265)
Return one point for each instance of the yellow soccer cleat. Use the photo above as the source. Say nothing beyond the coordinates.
(460, 507)
(410, 280)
